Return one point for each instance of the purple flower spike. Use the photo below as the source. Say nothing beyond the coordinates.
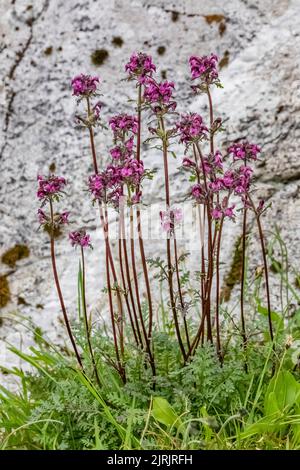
(160, 93)
(80, 238)
(140, 66)
(84, 85)
(191, 128)
(205, 68)
(49, 187)
(244, 151)
(123, 123)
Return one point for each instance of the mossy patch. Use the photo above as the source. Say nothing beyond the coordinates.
(57, 230)
(222, 28)
(99, 56)
(225, 60)
(22, 301)
(161, 50)
(218, 19)
(14, 254)
(117, 41)
(214, 18)
(48, 50)
(235, 272)
(163, 74)
(175, 16)
(52, 167)
(4, 291)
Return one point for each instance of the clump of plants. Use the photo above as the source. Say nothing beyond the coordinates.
(181, 365)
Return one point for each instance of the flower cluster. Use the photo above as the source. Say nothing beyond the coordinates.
(205, 68)
(123, 124)
(191, 128)
(124, 150)
(59, 219)
(158, 92)
(84, 85)
(169, 219)
(50, 187)
(198, 193)
(216, 183)
(80, 238)
(244, 151)
(140, 66)
(223, 210)
(108, 185)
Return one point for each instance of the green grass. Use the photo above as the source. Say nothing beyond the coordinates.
(200, 406)
(203, 405)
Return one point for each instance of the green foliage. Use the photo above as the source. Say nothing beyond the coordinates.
(202, 405)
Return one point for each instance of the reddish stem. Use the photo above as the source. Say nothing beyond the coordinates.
(219, 349)
(244, 335)
(86, 323)
(58, 288)
(169, 261)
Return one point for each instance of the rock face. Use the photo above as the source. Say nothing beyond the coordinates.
(44, 43)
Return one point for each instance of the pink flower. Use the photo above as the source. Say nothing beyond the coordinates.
(43, 219)
(96, 110)
(216, 185)
(49, 187)
(220, 211)
(140, 66)
(97, 185)
(116, 153)
(228, 179)
(84, 85)
(132, 171)
(191, 128)
(123, 123)
(197, 192)
(188, 163)
(260, 206)
(64, 217)
(228, 212)
(126, 171)
(204, 67)
(160, 93)
(129, 144)
(80, 238)
(218, 159)
(244, 151)
(216, 213)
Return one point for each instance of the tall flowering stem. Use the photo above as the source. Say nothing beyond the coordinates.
(138, 214)
(133, 315)
(81, 239)
(244, 234)
(58, 288)
(142, 322)
(210, 268)
(257, 213)
(219, 347)
(133, 324)
(169, 259)
(85, 87)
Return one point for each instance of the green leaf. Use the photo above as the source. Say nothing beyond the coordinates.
(271, 405)
(274, 315)
(163, 412)
(285, 390)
